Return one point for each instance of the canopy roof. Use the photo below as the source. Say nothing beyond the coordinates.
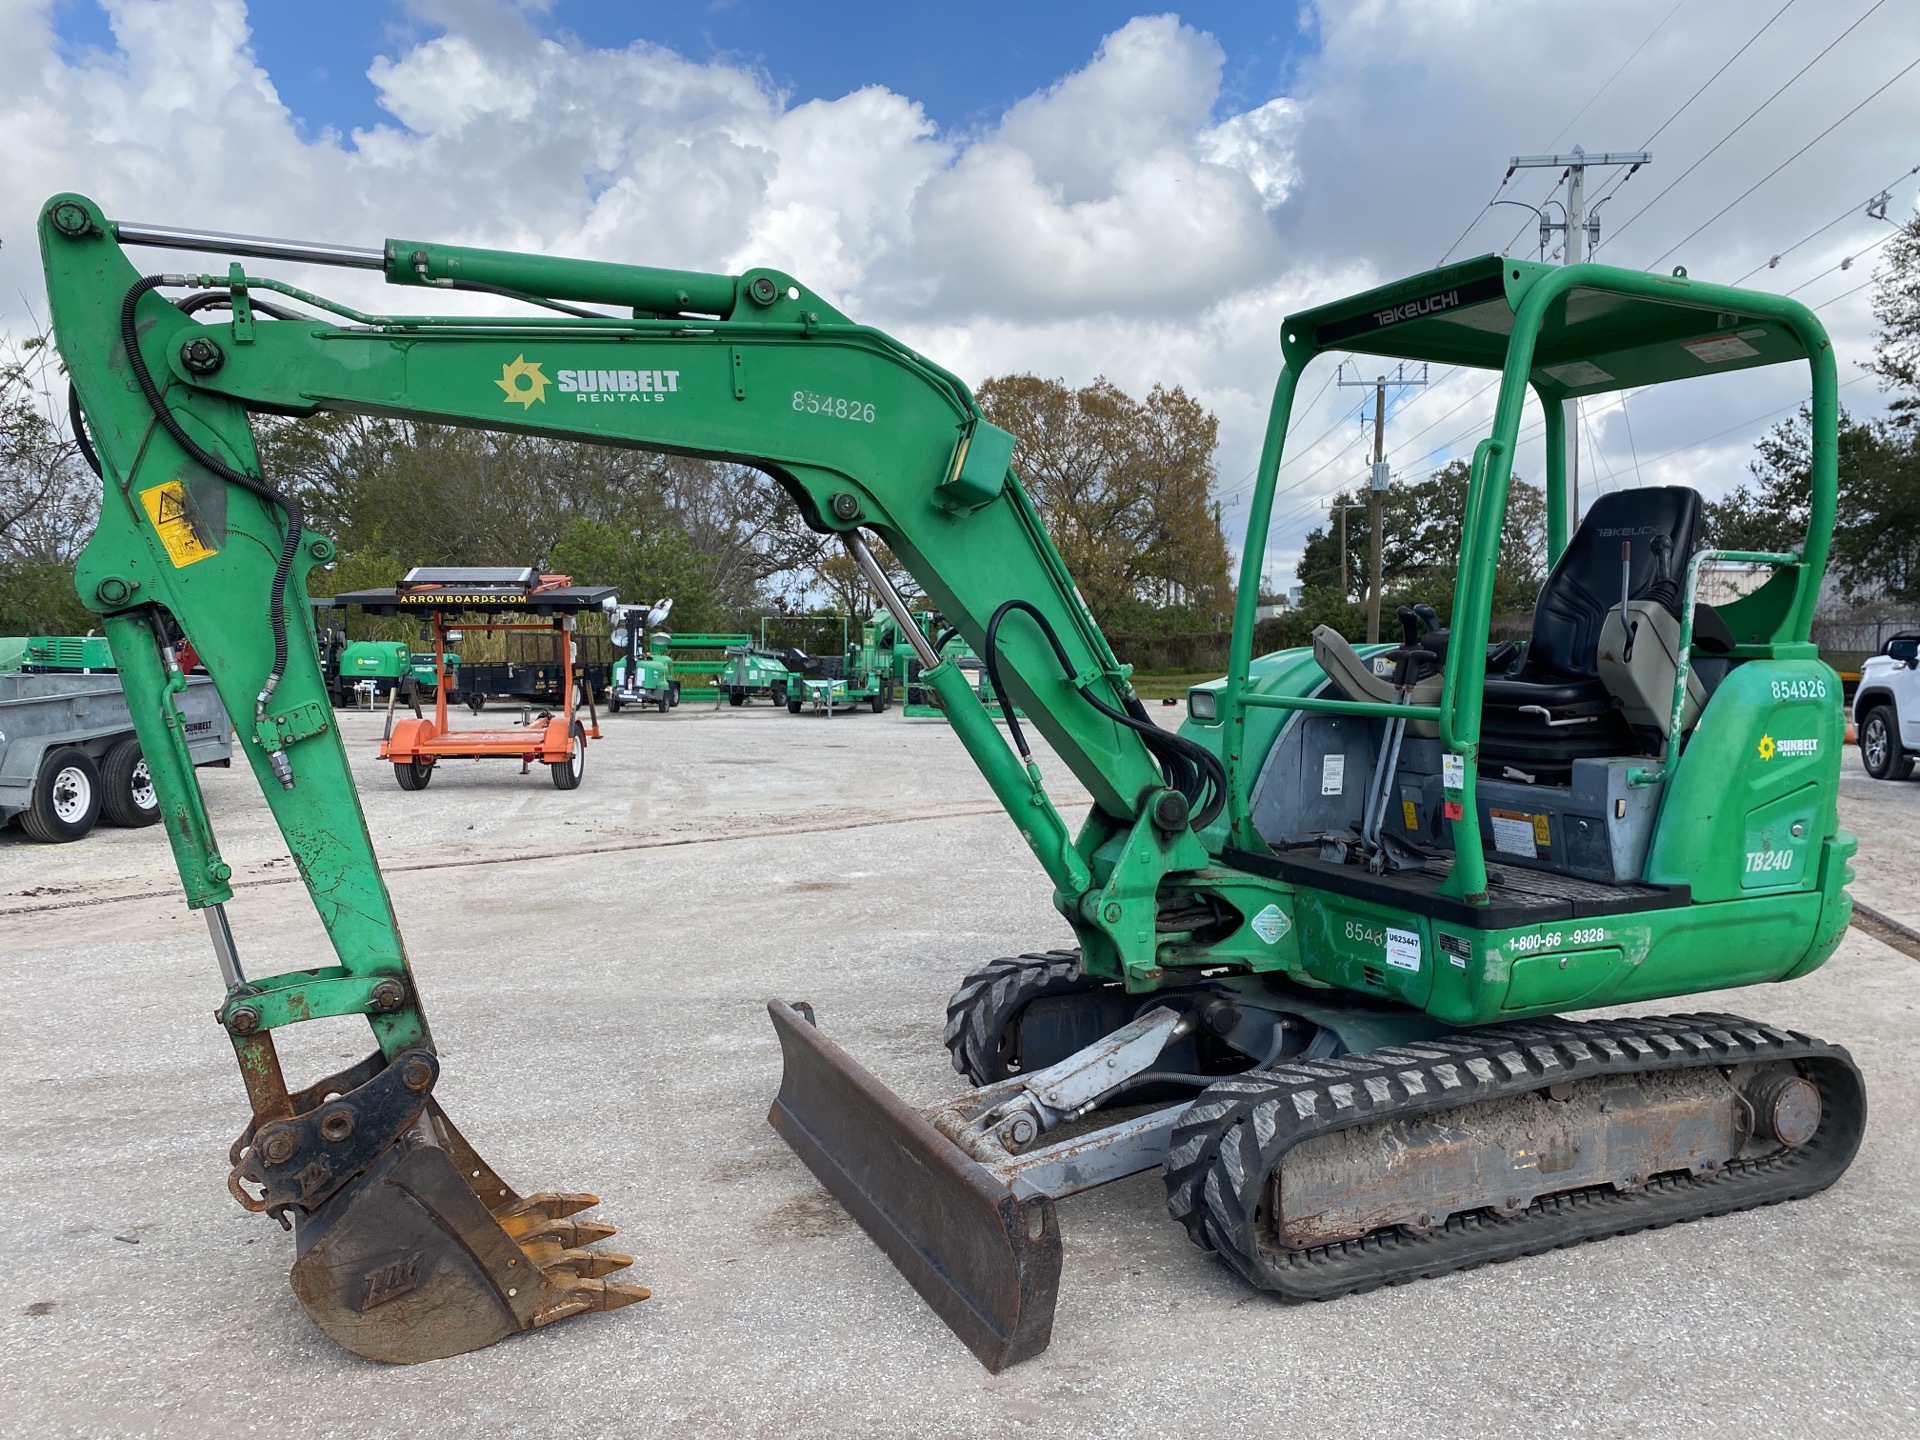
(1620, 330)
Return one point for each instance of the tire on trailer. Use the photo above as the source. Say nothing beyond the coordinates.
(778, 690)
(66, 797)
(877, 701)
(127, 796)
(673, 693)
(793, 706)
(566, 773)
(413, 774)
(476, 702)
(1880, 749)
(736, 696)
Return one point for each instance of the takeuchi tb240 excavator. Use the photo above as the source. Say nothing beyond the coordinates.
(1326, 932)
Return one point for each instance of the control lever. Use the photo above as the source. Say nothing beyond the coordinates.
(1429, 618)
(1626, 593)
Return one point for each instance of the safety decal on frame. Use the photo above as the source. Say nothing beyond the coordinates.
(173, 518)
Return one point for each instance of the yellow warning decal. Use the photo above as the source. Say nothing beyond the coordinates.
(1411, 812)
(172, 517)
(1541, 834)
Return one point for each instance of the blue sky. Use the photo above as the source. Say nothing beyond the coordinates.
(964, 64)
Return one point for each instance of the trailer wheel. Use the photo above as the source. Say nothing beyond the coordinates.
(476, 702)
(793, 707)
(566, 773)
(127, 796)
(778, 690)
(877, 702)
(673, 693)
(736, 696)
(66, 798)
(413, 774)
(613, 704)
(664, 703)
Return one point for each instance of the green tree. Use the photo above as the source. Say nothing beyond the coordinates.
(49, 500)
(1124, 488)
(1420, 526)
(1876, 532)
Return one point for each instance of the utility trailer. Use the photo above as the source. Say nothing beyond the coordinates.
(68, 754)
(478, 596)
(753, 671)
(643, 670)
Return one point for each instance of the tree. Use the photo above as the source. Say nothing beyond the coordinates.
(1876, 532)
(1124, 488)
(49, 500)
(1420, 526)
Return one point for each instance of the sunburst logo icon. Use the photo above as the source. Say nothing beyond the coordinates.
(524, 382)
(1767, 747)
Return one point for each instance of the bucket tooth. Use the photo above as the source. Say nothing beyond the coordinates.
(551, 1255)
(570, 1233)
(550, 1204)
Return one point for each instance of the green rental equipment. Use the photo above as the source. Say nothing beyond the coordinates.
(1326, 936)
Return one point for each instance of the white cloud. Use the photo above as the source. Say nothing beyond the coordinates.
(1121, 221)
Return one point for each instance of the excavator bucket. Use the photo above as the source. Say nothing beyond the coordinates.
(986, 1258)
(427, 1252)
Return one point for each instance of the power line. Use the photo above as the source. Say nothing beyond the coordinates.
(1619, 182)
(1846, 264)
(1744, 123)
(1851, 210)
(1789, 160)
(1563, 130)
(1617, 73)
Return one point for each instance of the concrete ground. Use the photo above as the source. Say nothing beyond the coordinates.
(596, 966)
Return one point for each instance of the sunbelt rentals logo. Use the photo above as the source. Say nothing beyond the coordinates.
(524, 383)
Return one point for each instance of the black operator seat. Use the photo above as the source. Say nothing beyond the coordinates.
(1559, 674)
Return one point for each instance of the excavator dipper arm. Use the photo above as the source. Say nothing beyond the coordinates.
(411, 1247)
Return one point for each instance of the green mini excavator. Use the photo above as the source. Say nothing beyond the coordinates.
(1326, 932)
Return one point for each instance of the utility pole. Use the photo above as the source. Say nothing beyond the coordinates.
(1378, 479)
(1341, 512)
(1582, 233)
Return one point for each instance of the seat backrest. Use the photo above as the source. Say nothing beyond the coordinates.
(1585, 583)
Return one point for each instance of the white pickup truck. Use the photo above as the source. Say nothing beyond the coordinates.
(1886, 709)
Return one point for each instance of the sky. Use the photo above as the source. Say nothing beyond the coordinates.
(1074, 190)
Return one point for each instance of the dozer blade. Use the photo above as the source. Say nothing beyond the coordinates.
(428, 1253)
(985, 1258)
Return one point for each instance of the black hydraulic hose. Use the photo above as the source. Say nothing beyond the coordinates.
(213, 299)
(290, 545)
(1194, 771)
(77, 418)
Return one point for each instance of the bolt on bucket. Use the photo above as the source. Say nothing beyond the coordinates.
(986, 1258)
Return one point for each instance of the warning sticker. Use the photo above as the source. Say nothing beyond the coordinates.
(1333, 774)
(1403, 949)
(1513, 834)
(1410, 812)
(1453, 771)
(1718, 349)
(172, 515)
(1579, 372)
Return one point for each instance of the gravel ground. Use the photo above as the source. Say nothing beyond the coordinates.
(596, 966)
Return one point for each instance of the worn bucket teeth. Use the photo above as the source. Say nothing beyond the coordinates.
(551, 1255)
(569, 1233)
(550, 1204)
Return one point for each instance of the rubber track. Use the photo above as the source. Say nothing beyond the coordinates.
(990, 997)
(1236, 1133)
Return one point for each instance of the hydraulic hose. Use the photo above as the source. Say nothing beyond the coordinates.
(77, 418)
(1192, 770)
(290, 545)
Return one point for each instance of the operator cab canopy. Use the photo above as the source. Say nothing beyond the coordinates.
(1591, 340)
